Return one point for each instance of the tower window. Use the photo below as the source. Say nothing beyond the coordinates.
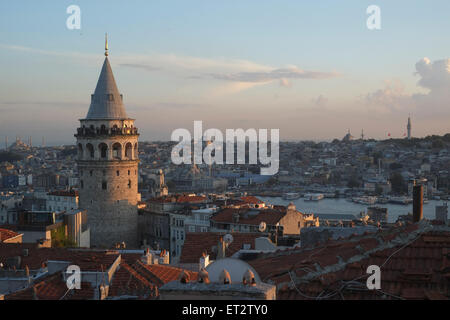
(103, 150)
(90, 150)
(129, 184)
(104, 185)
(128, 172)
(118, 173)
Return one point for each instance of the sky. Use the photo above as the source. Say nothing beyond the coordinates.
(309, 68)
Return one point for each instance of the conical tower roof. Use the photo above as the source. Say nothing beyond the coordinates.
(106, 102)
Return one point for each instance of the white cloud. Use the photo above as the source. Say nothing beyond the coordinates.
(434, 76)
(274, 74)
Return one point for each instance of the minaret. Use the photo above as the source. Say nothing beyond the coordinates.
(408, 127)
(107, 143)
(362, 134)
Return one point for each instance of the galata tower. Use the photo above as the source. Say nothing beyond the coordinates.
(107, 142)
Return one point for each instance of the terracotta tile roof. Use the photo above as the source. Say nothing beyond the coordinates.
(71, 193)
(131, 278)
(87, 260)
(196, 243)
(191, 199)
(180, 198)
(270, 216)
(414, 262)
(139, 279)
(251, 200)
(6, 234)
(53, 287)
(126, 281)
(161, 274)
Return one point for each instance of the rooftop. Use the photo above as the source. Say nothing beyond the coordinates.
(106, 102)
(197, 243)
(269, 216)
(414, 262)
(6, 234)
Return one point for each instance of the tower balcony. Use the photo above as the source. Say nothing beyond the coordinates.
(106, 132)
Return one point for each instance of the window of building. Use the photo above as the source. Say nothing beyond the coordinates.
(91, 172)
(118, 172)
(129, 184)
(81, 184)
(104, 185)
(128, 172)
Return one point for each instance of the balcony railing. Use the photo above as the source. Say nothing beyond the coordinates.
(95, 132)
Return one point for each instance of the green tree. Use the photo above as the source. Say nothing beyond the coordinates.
(398, 183)
(354, 182)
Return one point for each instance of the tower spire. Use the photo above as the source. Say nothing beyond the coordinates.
(106, 44)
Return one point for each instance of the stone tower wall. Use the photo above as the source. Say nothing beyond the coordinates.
(109, 187)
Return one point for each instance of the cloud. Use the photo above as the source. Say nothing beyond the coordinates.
(244, 74)
(390, 98)
(285, 83)
(144, 67)
(275, 74)
(434, 76)
(320, 101)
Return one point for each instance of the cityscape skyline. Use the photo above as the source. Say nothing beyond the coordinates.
(192, 66)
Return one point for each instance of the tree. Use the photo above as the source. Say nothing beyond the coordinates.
(170, 184)
(437, 144)
(395, 166)
(353, 182)
(272, 181)
(398, 183)
(378, 190)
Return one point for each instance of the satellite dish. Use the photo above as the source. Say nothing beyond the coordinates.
(228, 238)
(262, 226)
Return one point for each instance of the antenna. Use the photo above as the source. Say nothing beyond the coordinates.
(106, 44)
(228, 239)
(262, 226)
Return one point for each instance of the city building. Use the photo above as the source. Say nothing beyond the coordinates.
(108, 165)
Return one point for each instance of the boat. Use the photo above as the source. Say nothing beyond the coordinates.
(400, 200)
(314, 196)
(366, 200)
(291, 196)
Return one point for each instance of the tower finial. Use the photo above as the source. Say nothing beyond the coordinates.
(106, 44)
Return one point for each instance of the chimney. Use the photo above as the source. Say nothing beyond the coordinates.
(147, 258)
(417, 203)
(204, 261)
(224, 277)
(203, 276)
(221, 249)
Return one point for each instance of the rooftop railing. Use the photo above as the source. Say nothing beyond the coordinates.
(93, 132)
